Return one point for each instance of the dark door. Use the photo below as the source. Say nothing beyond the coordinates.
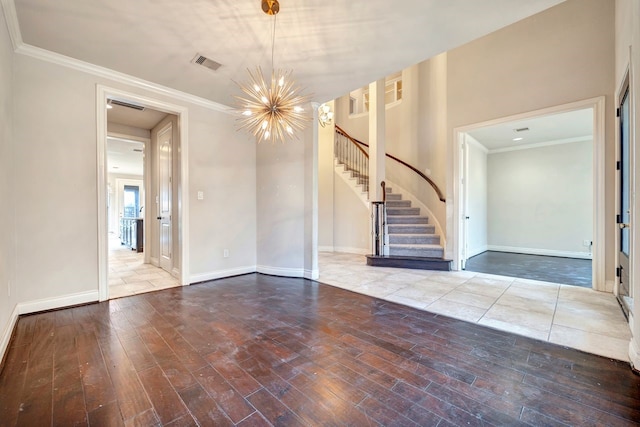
(624, 213)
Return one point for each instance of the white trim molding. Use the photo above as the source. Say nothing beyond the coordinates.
(536, 251)
(221, 274)
(13, 25)
(104, 92)
(280, 271)
(634, 355)
(5, 338)
(57, 302)
(325, 249)
(311, 274)
(116, 76)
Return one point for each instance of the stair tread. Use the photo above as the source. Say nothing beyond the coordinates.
(415, 235)
(415, 245)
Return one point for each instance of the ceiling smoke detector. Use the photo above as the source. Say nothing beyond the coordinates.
(206, 62)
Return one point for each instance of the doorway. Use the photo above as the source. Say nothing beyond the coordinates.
(139, 250)
(535, 204)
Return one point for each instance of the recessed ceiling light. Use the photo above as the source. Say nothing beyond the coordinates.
(115, 167)
(518, 139)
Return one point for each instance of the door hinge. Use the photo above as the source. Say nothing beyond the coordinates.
(618, 165)
(618, 219)
(617, 112)
(618, 271)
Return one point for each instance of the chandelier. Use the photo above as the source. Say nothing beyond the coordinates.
(271, 109)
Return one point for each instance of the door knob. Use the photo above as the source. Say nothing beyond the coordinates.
(623, 225)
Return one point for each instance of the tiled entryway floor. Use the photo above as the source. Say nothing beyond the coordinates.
(129, 275)
(572, 316)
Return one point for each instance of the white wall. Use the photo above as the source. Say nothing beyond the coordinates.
(7, 231)
(351, 220)
(56, 182)
(561, 55)
(477, 239)
(326, 171)
(280, 202)
(541, 198)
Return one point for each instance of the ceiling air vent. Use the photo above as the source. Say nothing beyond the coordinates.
(521, 130)
(127, 104)
(206, 62)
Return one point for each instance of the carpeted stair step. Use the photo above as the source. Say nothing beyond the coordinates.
(430, 251)
(402, 211)
(398, 204)
(411, 229)
(394, 196)
(407, 219)
(414, 239)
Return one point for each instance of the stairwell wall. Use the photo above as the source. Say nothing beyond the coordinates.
(7, 216)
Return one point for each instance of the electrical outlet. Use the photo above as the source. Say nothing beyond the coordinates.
(586, 243)
(225, 253)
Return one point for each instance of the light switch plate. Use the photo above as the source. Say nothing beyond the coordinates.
(200, 195)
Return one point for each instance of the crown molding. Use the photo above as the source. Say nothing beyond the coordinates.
(543, 144)
(472, 141)
(11, 18)
(98, 71)
(19, 46)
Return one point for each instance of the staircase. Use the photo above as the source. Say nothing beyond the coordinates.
(410, 233)
(412, 241)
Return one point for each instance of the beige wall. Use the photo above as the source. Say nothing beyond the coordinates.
(561, 55)
(58, 177)
(7, 259)
(542, 199)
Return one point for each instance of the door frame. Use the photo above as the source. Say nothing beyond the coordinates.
(102, 94)
(626, 84)
(455, 193)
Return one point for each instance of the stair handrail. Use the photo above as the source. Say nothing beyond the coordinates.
(354, 141)
(402, 162)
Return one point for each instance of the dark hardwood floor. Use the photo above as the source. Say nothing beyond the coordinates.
(258, 350)
(568, 271)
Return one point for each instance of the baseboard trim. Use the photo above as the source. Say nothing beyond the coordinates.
(154, 262)
(325, 249)
(349, 250)
(5, 339)
(546, 252)
(477, 251)
(280, 271)
(220, 274)
(58, 302)
(312, 274)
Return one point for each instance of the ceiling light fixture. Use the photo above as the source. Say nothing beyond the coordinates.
(325, 115)
(518, 139)
(272, 109)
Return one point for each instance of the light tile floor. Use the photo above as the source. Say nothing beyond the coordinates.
(129, 275)
(572, 316)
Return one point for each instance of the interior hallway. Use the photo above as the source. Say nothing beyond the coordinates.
(129, 275)
(572, 316)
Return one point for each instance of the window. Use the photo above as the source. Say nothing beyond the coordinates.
(359, 99)
(131, 201)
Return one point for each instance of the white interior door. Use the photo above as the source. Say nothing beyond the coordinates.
(165, 140)
(464, 220)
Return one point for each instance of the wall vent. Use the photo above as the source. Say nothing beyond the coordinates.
(126, 104)
(206, 62)
(521, 130)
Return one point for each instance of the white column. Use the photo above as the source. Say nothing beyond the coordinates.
(376, 139)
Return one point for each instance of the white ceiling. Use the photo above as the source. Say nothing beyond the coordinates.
(333, 46)
(121, 157)
(145, 119)
(562, 127)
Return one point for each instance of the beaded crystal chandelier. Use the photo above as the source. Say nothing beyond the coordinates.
(272, 108)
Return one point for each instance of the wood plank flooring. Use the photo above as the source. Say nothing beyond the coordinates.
(258, 350)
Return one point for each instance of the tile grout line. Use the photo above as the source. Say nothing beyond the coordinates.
(555, 309)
